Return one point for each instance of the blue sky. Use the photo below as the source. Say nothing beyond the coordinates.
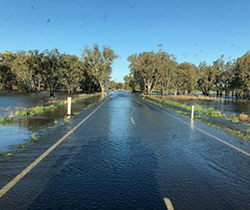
(193, 30)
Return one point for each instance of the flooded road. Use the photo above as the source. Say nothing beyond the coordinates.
(130, 155)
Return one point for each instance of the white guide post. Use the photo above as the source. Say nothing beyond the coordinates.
(192, 113)
(69, 106)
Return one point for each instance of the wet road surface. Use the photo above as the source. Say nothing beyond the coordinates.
(130, 155)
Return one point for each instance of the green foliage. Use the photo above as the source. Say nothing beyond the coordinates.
(212, 113)
(5, 120)
(61, 103)
(9, 154)
(235, 120)
(34, 137)
(99, 63)
(150, 70)
(21, 146)
(34, 71)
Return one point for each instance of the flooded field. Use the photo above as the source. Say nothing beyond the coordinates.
(21, 129)
(11, 101)
(228, 106)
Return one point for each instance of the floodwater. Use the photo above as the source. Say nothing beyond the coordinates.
(228, 106)
(111, 163)
(10, 101)
(21, 129)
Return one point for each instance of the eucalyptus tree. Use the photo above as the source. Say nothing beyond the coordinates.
(71, 68)
(129, 83)
(99, 63)
(206, 77)
(177, 80)
(167, 69)
(54, 75)
(188, 77)
(145, 68)
(7, 78)
(219, 68)
(243, 72)
(26, 69)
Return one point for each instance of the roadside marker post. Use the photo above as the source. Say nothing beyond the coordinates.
(192, 113)
(69, 106)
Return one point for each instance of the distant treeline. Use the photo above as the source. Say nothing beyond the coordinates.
(151, 71)
(35, 71)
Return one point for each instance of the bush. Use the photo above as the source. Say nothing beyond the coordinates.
(5, 120)
(243, 117)
(235, 120)
(212, 113)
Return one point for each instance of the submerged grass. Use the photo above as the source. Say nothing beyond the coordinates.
(41, 109)
(9, 154)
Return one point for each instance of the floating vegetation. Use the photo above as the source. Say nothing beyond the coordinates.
(21, 146)
(34, 137)
(9, 154)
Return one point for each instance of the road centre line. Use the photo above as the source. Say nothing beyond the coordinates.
(214, 137)
(168, 204)
(11, 184)
(132, 120)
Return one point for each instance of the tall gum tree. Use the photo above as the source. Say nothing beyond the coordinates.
(71, 68)
(145, 68)
(52, 70)
(99, 63)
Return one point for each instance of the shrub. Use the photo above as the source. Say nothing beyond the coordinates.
(243, 117)
(5, 120)
(235, 120)
(212, 113)
(34, 137)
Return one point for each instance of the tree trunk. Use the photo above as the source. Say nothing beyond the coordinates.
(102, 88)
(51, 91)
(175, 92)
(149, 91)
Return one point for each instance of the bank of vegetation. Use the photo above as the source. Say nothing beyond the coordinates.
(35, 71)
(151, 71)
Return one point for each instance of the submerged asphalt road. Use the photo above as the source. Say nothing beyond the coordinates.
(129, 155)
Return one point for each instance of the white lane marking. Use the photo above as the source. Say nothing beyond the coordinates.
(168, 204)
(216, 138)
(133, 110)
(132, 120)
(8, 186)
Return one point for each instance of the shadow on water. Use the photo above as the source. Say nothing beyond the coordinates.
(22, 127)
